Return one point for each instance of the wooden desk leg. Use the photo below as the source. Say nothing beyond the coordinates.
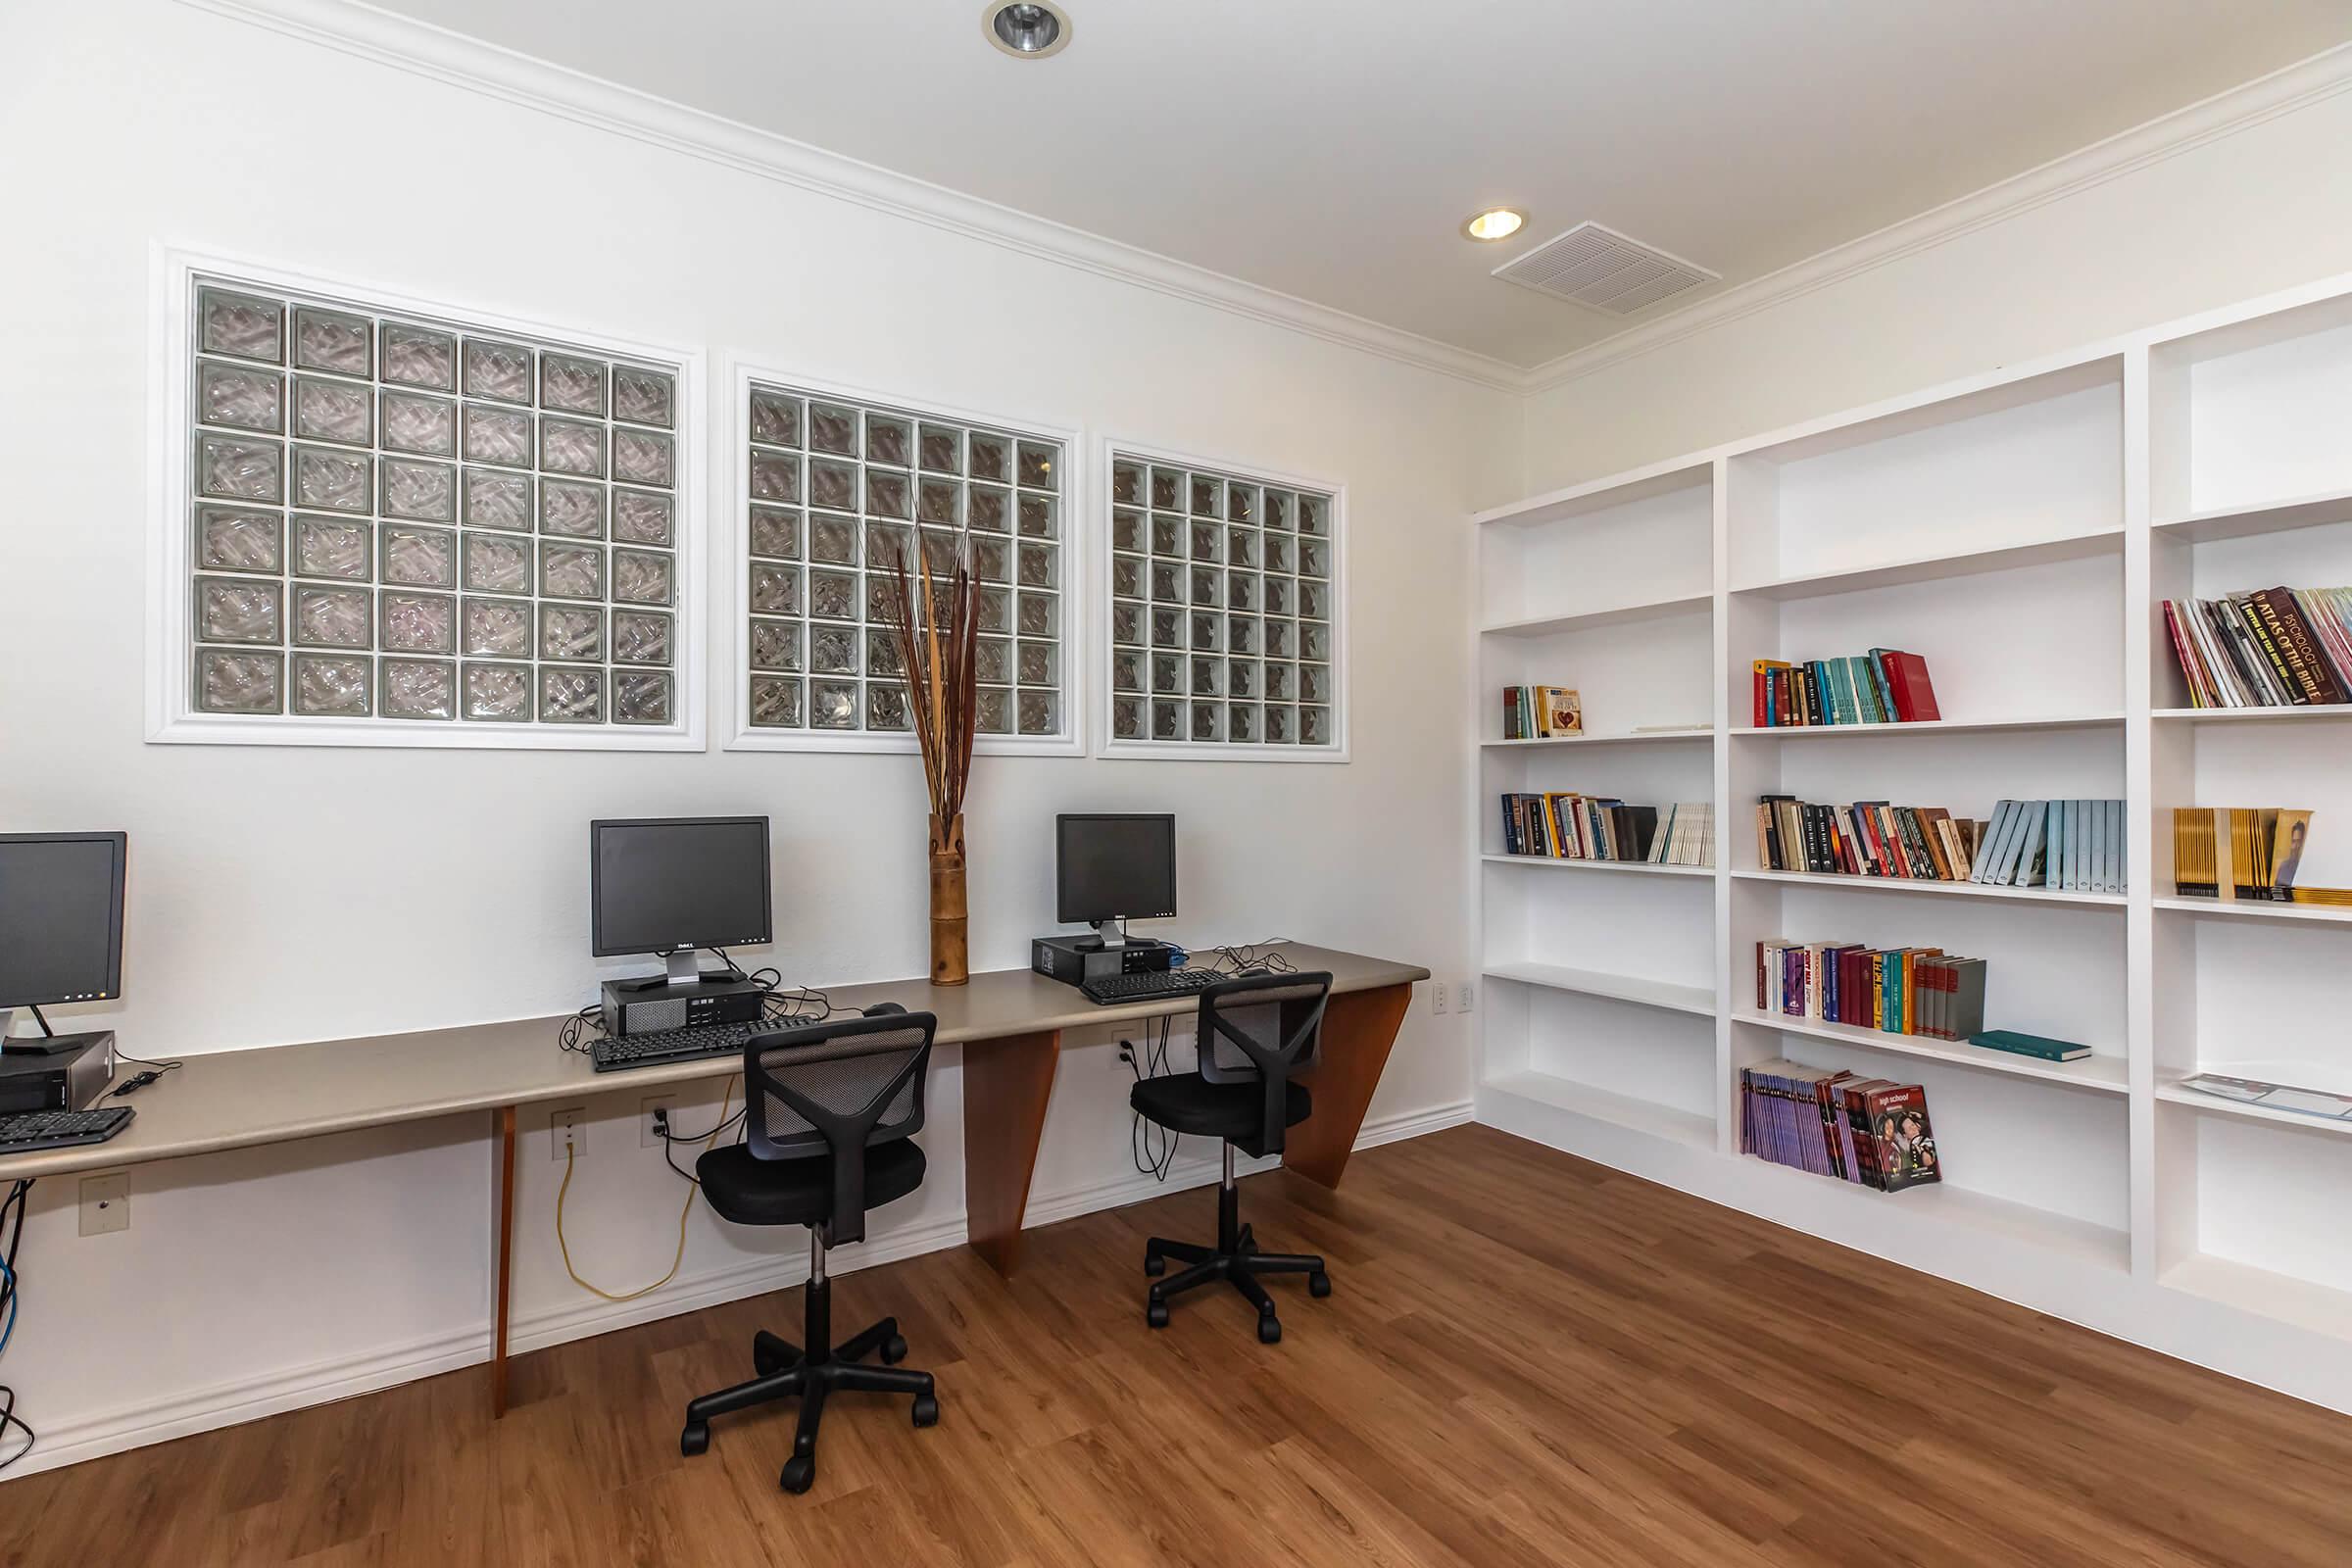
(503, 1121)
(1358, 1029)
(1006, 1082)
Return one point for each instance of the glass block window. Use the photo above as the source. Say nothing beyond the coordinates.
(1224, 611)
(835, 491)
(400, 522)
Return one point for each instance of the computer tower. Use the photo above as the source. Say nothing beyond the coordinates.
(1076, 959)
(58, 1080)
(640, 1006)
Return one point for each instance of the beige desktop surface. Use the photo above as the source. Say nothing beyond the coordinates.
(277, 1094)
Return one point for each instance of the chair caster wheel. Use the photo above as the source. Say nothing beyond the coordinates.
(1157, 1314)
(1269, 1330)
(1318, 1285)
(767, 1354)
(695, 1439)
(800, 1473)
(1155, 1264)
(926, 1410)
(894, 1349)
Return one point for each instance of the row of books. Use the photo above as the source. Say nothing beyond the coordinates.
(2266, 845)
(2272, 648)
(1896, 991)
(1867, 837)
(2074, 846)
(1885, 686)
(1564, 826)
(1541, 712)
(1871, 1132)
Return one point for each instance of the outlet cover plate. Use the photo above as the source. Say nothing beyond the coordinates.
(105, 1204)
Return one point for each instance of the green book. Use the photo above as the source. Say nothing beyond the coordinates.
(2022, 1045)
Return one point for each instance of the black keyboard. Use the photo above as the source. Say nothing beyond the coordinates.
(612, 1054)
(28, 1130)
(1154, 986)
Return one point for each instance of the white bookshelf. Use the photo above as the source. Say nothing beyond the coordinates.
(2019, 530)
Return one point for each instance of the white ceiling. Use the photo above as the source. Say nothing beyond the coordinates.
(1330, 148)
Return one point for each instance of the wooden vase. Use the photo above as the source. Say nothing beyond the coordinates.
(951, 938)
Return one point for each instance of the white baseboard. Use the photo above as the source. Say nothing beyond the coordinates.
(227, 1405)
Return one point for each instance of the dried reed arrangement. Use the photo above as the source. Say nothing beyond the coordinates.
(936, 628)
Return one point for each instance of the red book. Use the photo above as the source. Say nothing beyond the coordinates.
(1907, 678)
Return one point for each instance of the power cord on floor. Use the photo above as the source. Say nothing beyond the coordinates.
(12, 1237)
(685, 1212)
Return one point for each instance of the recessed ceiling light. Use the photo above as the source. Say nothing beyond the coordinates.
(1026, 32)
(1495, 222)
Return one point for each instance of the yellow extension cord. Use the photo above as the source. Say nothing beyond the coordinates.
(726, 1101)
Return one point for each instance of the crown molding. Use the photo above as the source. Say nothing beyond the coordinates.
(364, 32)
(2307, 81)
(486, 69)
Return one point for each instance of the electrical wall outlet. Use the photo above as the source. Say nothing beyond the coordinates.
(567, 1131)
(1465, 996)
(1437, 995)
(654, 1113)
(105, 1204)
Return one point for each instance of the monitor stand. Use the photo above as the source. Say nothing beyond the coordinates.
(682, 970)
(1110, 933)
(42, 1044)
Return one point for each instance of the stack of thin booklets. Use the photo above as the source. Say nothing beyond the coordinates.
(1871, 1132)
(2272, 648)
(2263, 851)
(1898, 990)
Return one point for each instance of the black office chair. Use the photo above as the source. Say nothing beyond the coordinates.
(830, 1122)
(1254, 1034)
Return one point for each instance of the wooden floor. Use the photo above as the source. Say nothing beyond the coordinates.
(1527, 1359)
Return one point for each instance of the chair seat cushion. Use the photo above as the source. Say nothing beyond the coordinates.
(1187, 1102)
(800, 1192)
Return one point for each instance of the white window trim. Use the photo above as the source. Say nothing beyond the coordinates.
(172, 718)
(732, 598)
(1099, 651)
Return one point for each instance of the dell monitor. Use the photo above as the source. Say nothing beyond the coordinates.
(676, 884)
(60, 918)
(1110, 868)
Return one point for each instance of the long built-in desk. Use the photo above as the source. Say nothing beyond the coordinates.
(1009, 1023)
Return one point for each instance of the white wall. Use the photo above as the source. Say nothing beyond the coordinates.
(2265, 207)
(282, 895)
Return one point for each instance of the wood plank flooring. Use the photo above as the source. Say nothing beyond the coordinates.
(1527, 1359)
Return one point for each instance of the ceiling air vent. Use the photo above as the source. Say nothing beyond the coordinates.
(1602, 271)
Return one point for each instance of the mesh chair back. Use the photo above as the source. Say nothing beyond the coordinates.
(832, 1090)
(1265, 1029)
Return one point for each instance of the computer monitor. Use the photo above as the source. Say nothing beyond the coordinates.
(1114, 868)
(676, 884)
(60, 918)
